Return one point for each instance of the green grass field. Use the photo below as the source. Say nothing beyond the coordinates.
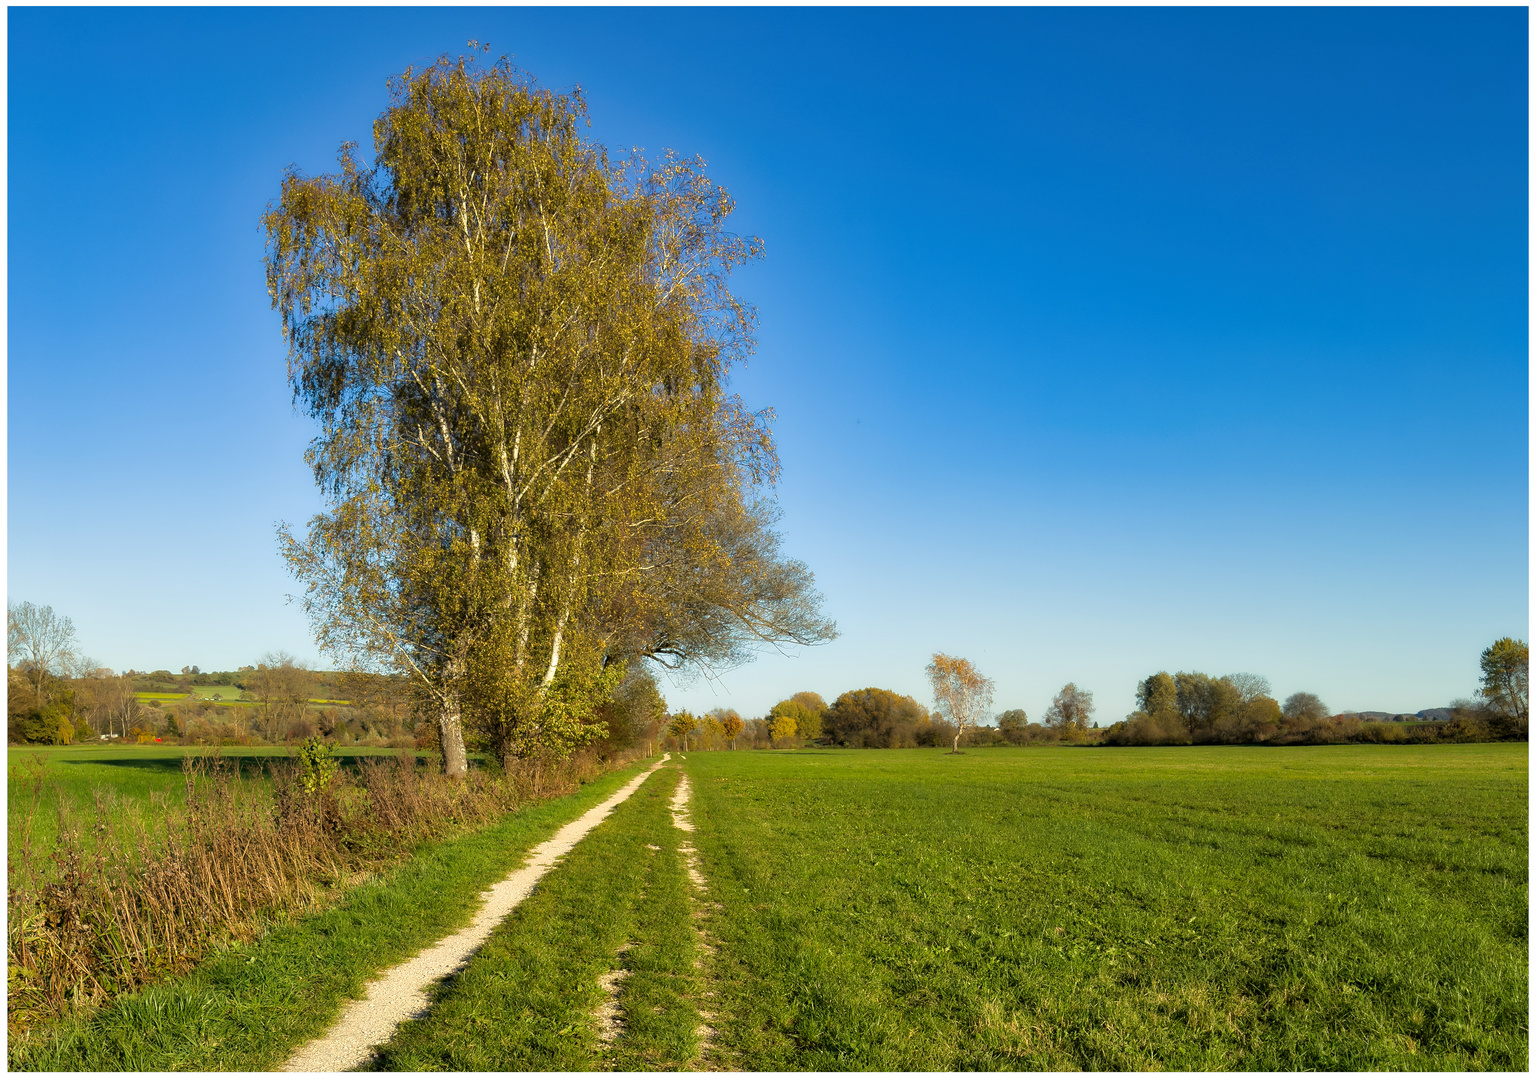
(1200, 908)
(526, 1001)
(224, 695)
(131, 778)
(1344, 907)
(1341, 907)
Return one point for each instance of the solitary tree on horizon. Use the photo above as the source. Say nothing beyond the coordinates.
(962, 694)
(1070, 711)
(41, 642)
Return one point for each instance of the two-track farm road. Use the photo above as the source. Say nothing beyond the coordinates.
(401, 992)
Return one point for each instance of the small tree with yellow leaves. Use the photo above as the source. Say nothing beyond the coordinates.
(961, 693)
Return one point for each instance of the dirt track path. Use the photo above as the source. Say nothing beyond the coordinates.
(400, 993)
(706, 1057)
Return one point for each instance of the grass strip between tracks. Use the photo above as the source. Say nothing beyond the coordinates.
(528, 999)
(249, 1007)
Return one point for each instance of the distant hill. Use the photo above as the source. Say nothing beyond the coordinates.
(1427, 715)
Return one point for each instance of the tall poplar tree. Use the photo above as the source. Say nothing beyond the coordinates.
(516, 351)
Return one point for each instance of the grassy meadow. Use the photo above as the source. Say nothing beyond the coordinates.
(130, 781)
(619, 901)
(1340, 907)
(1233, 908)
(223, 695)
(1200, 908)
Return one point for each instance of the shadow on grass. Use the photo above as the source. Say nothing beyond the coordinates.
(156, 765)
(244, 764)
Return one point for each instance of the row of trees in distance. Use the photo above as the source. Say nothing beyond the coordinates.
(1192, 707)
(1186, 708)
(57, 695)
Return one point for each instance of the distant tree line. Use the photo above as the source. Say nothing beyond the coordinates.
(1182, 709)
(875, 718)
(1192, 707)
(58, 696)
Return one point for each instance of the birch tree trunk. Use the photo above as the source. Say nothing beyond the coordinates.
(451, 738)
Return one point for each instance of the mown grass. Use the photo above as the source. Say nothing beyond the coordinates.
(249, 1007)
(619, 900)
(1338, 907)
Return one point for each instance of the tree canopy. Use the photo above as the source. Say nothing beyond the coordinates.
(1304, 705)
(806, 709)
(1070, 711)
(517, 352)
(876, 717)
(1506, 668)
(962, 693)
(1013, 720)
(41, 642)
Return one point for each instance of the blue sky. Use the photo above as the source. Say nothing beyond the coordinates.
(1101, 341)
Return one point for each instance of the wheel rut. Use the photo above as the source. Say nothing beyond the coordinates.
(709, 1058)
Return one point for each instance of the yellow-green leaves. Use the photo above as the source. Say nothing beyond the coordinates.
(317, 768)
(516, 352)
(1506, 667)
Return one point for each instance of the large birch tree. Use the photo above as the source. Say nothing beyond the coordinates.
(516, 351)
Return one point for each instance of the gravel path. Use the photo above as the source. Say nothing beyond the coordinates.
(401, 992)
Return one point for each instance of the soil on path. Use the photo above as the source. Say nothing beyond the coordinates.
(400, 993)
(706, 1058)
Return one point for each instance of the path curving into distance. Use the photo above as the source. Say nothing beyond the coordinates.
(400, 992)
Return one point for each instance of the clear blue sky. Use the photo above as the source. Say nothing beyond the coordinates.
(1102, 341)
